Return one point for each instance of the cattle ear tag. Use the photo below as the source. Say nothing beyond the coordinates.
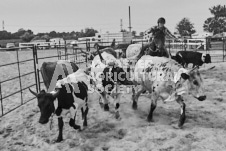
(184, 76)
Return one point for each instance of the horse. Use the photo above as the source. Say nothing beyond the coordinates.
(156, 47)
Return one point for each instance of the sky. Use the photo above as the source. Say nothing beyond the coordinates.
(102, 15)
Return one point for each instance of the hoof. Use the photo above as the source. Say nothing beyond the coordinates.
(101, 105)
(85, 124)
(150, 119)
(106, 107)
(77, 127)
(180, 126)
(117, 115)
(59, 139)
(134, 106)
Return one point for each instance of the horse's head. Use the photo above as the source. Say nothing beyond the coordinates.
(158, 49)
(159, 39)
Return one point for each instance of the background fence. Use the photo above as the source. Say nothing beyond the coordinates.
(20, 66)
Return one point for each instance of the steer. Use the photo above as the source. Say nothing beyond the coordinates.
(196, 58)
(166, 79)
(72, 94)
(108, 77)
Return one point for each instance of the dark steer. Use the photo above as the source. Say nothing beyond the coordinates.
(196, 58)
(70, 96)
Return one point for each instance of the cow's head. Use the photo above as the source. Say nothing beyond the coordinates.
(45, 104)
(194, 84)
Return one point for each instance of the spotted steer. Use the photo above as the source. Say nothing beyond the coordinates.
(108, 74)
(72, 94)
(166, 79)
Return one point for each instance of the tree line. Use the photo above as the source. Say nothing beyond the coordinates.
(215, 24)
(28, 35)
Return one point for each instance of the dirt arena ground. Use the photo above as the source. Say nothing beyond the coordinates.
(204, 128)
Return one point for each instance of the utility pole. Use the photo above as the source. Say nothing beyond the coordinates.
(3, 28)
(129, 21)
(121, 24)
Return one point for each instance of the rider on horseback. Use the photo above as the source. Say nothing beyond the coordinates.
(158, 40)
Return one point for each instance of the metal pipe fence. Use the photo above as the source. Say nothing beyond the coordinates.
(19, 77)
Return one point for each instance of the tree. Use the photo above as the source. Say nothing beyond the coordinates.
(218, 11)
(134, 33)
(123, 30)
(217, 23)
(19, 33)
(89, 32)
(185, 27)
(141, 33)
(27, 36)
(5, 35)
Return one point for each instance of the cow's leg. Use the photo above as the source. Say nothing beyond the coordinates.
(60, 126)
(136, 96)
(117, 100)
(58, 112)
(73, 112)
(104, 96)
(84, 113)
(182, 116)
(154, 99)
(101, 100)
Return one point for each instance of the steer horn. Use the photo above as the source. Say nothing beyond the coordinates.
(208, 68)
(193, 68)
(34, 93)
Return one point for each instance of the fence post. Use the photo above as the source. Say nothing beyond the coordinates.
(65, 51)
(36, 54)
(223, 47)
(37, 68)
(58, 48)
(18, 65)
(1, 97)
(36, 79)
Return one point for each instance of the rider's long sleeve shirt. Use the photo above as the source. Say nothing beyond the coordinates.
(155, 29)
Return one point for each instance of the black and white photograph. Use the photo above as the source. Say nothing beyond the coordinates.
(112, 75)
